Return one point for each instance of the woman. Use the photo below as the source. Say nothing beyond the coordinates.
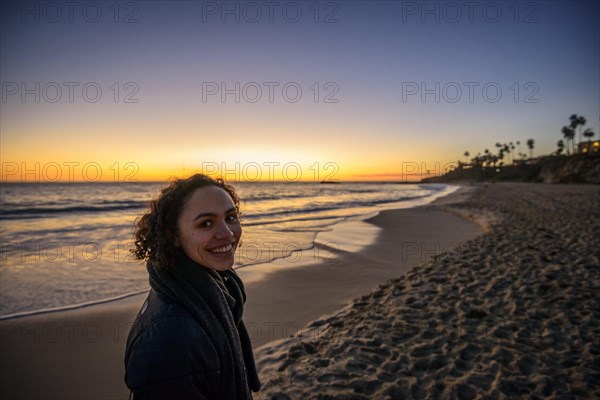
(188, 340)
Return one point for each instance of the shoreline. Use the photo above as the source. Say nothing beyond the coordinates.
(78, 353)
(353, 241)
(295, 296)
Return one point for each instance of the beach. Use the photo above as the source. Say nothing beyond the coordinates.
(492, 290)
(513, 313)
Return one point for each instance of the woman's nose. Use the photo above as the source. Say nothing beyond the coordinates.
(223, 231)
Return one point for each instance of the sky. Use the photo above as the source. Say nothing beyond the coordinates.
(287, 90)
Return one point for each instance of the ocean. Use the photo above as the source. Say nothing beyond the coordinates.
(64, 245)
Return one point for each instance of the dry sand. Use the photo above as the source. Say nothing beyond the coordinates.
(514, 313)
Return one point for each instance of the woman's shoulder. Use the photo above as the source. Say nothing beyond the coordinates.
(166, 343)
(160, 318)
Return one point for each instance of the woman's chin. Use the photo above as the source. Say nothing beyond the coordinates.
(222, 264)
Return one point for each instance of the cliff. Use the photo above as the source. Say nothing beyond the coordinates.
(577, 168)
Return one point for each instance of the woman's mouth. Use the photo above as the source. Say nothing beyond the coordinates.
(221, 249)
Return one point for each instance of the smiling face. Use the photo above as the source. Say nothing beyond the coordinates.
(208, 227)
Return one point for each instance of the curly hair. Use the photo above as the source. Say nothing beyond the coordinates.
(156, 230)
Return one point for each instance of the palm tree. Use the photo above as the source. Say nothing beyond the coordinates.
(589, 134)
(467, 154)
(494, 159)
(581, 120)
(561, 147)
(577, 120)
(519, 144)
(512, 148)
(530, 144)
(506, 149)
(569, 134)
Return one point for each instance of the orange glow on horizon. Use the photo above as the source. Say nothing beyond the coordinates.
(252, 171)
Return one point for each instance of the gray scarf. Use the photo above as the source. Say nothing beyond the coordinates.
(216, 301)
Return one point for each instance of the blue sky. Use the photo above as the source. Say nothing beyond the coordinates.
(369, 61)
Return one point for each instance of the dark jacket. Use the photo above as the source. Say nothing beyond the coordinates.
(170, 356)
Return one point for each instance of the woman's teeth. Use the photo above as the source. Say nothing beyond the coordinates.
(223, 249)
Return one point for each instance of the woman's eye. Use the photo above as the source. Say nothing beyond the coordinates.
(205, 224)
(232, 218)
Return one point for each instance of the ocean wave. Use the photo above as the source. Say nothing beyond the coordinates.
(301, 211)
(260, 197)
(41, 212)
(336, 206)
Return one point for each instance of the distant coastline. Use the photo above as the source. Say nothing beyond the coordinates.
(576, 168)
